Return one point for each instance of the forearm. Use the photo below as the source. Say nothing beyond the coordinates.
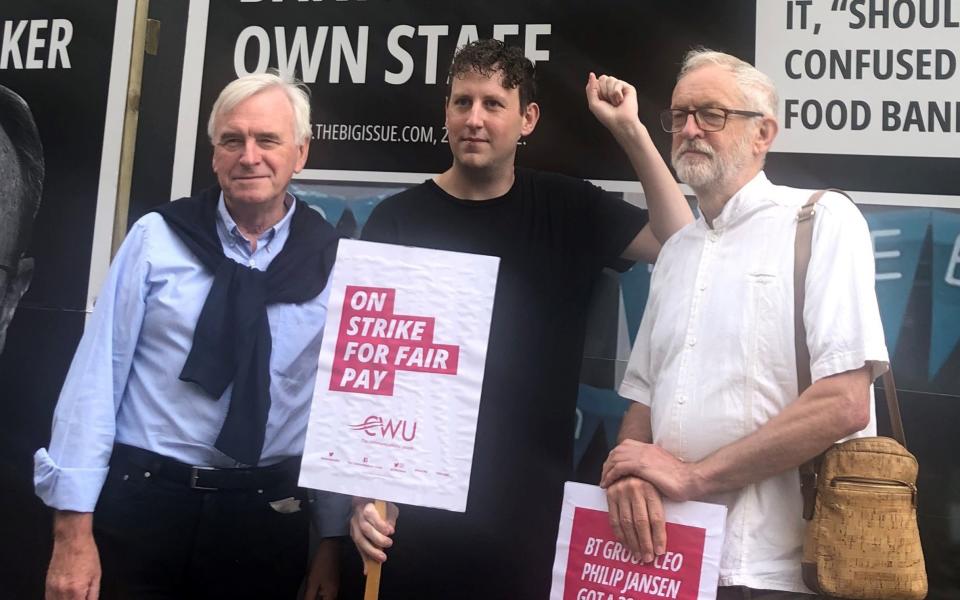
(829, 410)
(74, 570)
(668, 208)
(70, 526)
(636, 424)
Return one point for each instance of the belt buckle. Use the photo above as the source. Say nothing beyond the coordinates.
(195, 474)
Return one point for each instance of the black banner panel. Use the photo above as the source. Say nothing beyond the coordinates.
(55, 57)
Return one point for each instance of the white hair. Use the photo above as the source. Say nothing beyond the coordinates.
(757, 89)
(244, 87)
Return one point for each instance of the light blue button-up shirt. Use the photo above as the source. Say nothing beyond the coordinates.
(123, 384)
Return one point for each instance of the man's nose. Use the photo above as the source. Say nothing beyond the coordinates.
(251, 152)
(690, 128)
(475, 116)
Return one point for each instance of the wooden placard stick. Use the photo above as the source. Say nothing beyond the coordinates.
(372, 591)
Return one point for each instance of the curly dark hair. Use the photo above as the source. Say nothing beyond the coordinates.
(487, 57)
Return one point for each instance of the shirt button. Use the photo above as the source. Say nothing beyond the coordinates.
(681, 399)
(691, 341)
(712, 236)
(252, 262)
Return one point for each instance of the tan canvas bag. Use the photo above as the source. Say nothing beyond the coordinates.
(859, 496)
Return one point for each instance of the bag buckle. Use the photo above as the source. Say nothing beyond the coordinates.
(807, 211)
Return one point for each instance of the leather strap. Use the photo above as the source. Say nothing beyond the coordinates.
(893, 407)
(801, 260)
(802, 248)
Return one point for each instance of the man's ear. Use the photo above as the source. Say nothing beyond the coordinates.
(766, 133)
(21, 281)
(531, 115)
(303, 151)
(16, 288)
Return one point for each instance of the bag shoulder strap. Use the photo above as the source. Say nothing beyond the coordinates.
(802, 248)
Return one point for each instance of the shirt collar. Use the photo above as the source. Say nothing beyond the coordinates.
(742, 203)
(230, 229)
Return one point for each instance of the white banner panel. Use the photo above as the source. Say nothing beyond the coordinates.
(874, 77)
(395, 406)
(592, 565)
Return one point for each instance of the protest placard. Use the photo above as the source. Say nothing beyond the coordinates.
(591, 564)
(395, 405)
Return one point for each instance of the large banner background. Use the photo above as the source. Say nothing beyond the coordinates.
(907, 188)
(344, 52)
(376, 70)
(57, 56)
(911, 198)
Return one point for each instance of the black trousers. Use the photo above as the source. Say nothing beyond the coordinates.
(158, 538)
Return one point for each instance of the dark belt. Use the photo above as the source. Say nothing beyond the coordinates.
(205, 478)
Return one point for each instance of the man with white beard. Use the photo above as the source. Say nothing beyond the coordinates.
(717, 415)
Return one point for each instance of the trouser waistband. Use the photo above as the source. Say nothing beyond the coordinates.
(206, 478)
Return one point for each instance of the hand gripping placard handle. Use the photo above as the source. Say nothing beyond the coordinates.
(372, 589)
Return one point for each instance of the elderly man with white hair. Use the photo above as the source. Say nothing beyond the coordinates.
(717, 415)
(176, 443)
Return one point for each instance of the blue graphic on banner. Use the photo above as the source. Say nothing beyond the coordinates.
(945, 317)
(362, 206)
(330, 206)
(596, 406)
(897, 241)
(635, 284)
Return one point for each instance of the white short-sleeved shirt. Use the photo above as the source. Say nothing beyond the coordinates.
(714, 357)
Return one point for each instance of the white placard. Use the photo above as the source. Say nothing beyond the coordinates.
(875, 77)
(591, 564)
(394, 411)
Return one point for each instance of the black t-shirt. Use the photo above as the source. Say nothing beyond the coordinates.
(553, 235)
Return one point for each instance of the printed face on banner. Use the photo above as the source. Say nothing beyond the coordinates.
(710, 158)
(21, 186)
(485, 121)
(13, 279)
(255, 152)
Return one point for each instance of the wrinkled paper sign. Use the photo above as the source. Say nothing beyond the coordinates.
(395, 405)
(591, 564)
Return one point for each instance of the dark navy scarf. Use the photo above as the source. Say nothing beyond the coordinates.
(232, 339)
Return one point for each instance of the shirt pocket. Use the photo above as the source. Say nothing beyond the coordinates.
(297, 332)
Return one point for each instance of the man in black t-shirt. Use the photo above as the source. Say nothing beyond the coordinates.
(553, 235)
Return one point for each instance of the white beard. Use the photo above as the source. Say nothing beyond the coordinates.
(712, 170)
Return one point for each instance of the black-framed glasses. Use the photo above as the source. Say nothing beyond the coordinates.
(708, 118)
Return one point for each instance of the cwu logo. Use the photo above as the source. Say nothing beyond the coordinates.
(376, 426)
